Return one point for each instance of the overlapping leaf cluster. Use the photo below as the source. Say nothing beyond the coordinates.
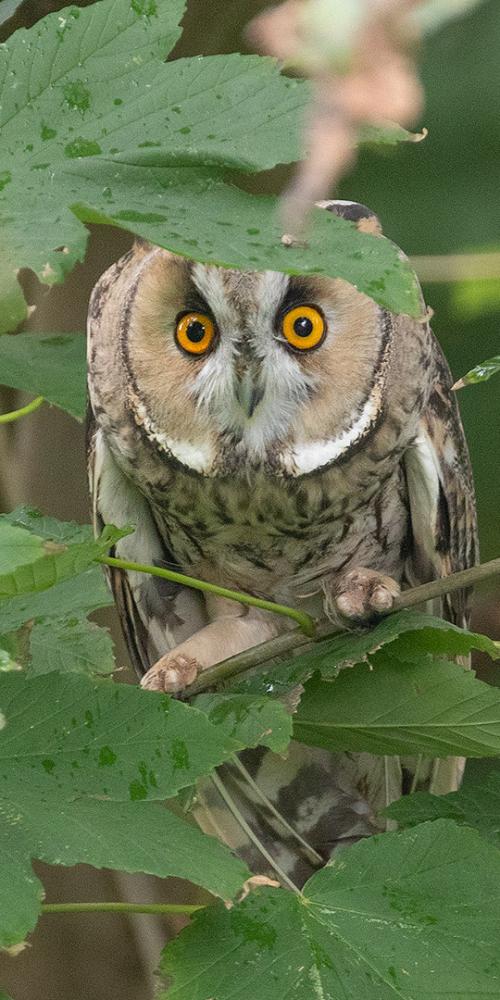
(89, 769)
(87, 765)
(95, 126)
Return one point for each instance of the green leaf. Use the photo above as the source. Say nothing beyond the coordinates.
(481, 373)
(476, 805)
(18, 547)
(253, 721)
(92, 735)
(49, 528)
(84, 767)
(139, 148)
(129, 836)
(56, 635)
(407, 635)
(38, 565)
(398, 916)
(70, 645)
(52, 366)
(77, 596)
(235, 229)
(431, 707)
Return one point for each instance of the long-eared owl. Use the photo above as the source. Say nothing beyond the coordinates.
(288, 437)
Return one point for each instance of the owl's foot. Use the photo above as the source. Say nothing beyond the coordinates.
(227, 636)
(359, 596)
(171, 674)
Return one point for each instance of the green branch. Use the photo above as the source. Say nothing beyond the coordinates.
(8, 418)
(304, 621)
(259, 656)
(161, 908)
(292, 641)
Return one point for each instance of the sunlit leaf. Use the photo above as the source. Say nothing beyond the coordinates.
(474, 298)
(139, 148)
(9, 654)
(37, 564)
(18, 547)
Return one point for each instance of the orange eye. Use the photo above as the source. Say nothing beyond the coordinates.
(304, 327)
(195, 332)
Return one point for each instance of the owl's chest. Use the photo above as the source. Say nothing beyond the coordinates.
(257, 534)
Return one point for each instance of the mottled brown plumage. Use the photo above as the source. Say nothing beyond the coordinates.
(323, 478)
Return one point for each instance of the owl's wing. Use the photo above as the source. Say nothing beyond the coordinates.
(444, 532)
(441, 496)
(155, 614)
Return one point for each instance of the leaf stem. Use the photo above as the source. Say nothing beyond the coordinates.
(121, 908)
(259, 656)
(304, 621)
(8, 418)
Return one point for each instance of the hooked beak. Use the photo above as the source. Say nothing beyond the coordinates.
(248, 394)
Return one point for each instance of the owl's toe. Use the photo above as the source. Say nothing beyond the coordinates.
(359, 596)
(171, 674)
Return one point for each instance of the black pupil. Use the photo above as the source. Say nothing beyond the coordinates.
(303, 326)
(195, 331)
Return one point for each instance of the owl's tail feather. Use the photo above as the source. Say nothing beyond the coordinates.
(233, 807)
(286, 816)
(274, 867)
(314, 857)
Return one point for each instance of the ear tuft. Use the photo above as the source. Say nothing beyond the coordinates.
(366, 220)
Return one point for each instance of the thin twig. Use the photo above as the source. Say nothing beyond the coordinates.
(304, 621)
(313, 855)
(259, 656)
(8, 418)
(240, 819)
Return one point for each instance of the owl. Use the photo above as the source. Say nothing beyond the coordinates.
(288, 437)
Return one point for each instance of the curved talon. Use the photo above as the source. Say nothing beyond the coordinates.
(359, 595)
(171, 674)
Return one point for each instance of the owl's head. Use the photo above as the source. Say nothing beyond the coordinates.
(228, 370)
